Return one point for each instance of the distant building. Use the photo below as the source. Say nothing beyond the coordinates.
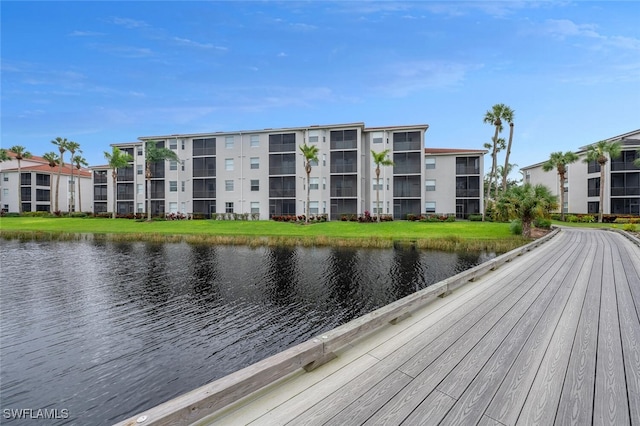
(582, 188)
(37, 184)
(262, 172)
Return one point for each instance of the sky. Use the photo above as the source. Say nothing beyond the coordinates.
(109, 72)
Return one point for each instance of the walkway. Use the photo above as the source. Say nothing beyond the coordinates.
(552, 337)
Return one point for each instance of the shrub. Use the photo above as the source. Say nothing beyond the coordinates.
(475, 217)
(629, 227)
(542, 223)
(11, 214)
(75, 214)
(515, 227)
(587, 218)
(572, 218)
(556, 216)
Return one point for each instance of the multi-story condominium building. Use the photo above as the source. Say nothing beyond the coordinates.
(37, 185)
(262, 172)
(582, 187)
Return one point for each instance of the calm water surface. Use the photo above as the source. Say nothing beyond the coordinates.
(106, 330)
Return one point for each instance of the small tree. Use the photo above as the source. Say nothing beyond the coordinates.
(559, 161)
(4, 155)
(117, 159)
(310, 153)
(61, 143)
(598, 152)
(494, 117)
(72, 147)
(526, 202)
(53, 159)
(20, 153)
(79, 161)
(380, 159)
(153, 154)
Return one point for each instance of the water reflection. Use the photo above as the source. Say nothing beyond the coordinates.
(109, 329)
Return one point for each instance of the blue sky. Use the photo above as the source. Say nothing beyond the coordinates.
(106, 72)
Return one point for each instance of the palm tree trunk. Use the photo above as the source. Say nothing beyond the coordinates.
(79, 194)
(58, 186)
(308, 169)
(71, 198)
(114, 174)
(19, 187)
(148, 177)
(562, 197)
(600, 209)
(506, 159)
(378, 192)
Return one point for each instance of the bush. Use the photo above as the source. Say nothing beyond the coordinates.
(542, 223)
(475, 217)
(10, 214)
(516, 227)
(629, 227)
(76, 214)
(572, 218)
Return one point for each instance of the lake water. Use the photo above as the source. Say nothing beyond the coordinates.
(95, 332)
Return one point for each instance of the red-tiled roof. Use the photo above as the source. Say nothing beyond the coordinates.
(45, 168)
(451, 150)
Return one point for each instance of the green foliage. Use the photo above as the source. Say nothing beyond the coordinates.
(515, 227)
(526, 202)
(475, 217)
(542, 223)
(629, 227)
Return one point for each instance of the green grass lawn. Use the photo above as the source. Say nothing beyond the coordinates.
(459, 235)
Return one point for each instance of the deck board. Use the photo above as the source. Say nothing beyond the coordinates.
(550, 337)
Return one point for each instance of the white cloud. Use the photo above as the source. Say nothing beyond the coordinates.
(78, 33)
(188, 42)
(128, 22)
(564, 28)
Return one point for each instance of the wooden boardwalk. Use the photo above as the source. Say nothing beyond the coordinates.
(552, 337)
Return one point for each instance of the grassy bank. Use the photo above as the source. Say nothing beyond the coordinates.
(441, 236)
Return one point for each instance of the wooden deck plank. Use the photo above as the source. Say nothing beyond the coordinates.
(506, 377)
(576, 400)
(629, 330)
(431, 410)
(401, 406)
(610, 403)
(531, 332)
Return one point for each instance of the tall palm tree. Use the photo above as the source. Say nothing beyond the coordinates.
(72, 147)
(20, 152)
(4, 156)
(53, 159)
(79, 162)
(310, 153)
(494, 117)
(598, 152)
(559, 161)
(61, 143)
(508, 116)
(495, 148)
(526, 202)
(116, 159)
(380, 159)
(153, 154)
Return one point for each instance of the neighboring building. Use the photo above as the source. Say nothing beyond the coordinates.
(38, 186)
(262, 171)
(582, 189)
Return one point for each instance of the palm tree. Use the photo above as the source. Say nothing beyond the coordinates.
(598, 152)
(636, 162)
(116, 159)
(508, 116)
(20, 152)
(61, 143)
(310, 153)
(494, 116)
(380, 159)
(53, 159)
(79, 162)
(559, 161)
(4, 156)
(153, 154)
(526, 202)
(495, 148)
(72, 147)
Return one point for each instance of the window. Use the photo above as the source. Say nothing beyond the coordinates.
(228, 185)
(5, 177)
(25, 179)
(204, 188)
(140, 208)
(430, 163)
(378, 184)
(407, 141)
(255, 207)
(182, 143)
(228, 207)
(182, 165)
(173, 144)
(204, 167)
(173, 207)
(593, 187)
(377, 137)
(182, 186)
(255, 162)
(139, 169)
(204, 147)
(140, 189)
(139, 150)
(173, 165)
(284, 142)
(314, 183)
(255, 141)
(100, 193)
(430, 207)
(43, 180)
(173, 186)
(430, 184)
(324, 159)
(313, 136)
(324, 183)
(313, 207)
(228, 142)
(377, 209)
(42, 195)
(343, 139)
(255, 185)
(228, 164)
(467, 165)
(5, 192)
